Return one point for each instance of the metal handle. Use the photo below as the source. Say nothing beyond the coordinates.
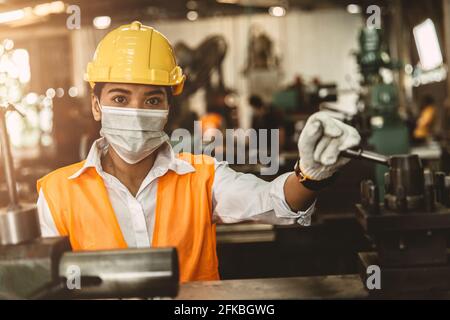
(7, 158)
(366, 155)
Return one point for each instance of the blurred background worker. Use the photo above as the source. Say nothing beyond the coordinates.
(426, 121)
(267, 117)
(134, 191)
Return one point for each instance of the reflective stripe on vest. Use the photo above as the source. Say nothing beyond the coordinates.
(82, 211)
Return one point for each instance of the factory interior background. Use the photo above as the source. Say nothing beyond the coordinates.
(380, 66)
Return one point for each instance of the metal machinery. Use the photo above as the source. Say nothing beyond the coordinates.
(378, 119)
(32, 267)
(409, 228)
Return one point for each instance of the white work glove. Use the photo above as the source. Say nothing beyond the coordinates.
(320, 144)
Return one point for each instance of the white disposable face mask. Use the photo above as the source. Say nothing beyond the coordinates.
(133, 133)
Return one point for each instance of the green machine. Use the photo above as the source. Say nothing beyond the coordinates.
(385, 131)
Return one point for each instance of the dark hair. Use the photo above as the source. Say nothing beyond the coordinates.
(427, 100)
(98, 87)
(97, 91)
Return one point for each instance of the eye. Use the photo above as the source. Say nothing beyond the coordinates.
(120, 99)
(153, 101)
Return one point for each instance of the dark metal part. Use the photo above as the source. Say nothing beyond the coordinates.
(387, 181)
(30, 270)
(446, 195)
(370, 197)
(151, 272)
(416, 238)
(405, 188)
(439, 185)
(429, 192)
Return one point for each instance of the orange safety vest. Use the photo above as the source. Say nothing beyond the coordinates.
(183, 216)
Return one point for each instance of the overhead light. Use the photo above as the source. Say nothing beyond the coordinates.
(10, 16)
(31, 98)
(45, 9)
(102, 22)
(427, 44)
(39, 10)
(353, 9)
(50, 93)
(73, 92)
(192, 15)
(277, 11)
(60, 92)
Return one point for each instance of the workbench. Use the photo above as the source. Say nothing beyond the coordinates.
(319, 287)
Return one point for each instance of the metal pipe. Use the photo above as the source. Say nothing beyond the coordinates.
(143, 272)
(7, 160)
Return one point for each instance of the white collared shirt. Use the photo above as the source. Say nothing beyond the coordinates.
(236, 196)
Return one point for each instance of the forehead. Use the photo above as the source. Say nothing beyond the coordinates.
(133, 88)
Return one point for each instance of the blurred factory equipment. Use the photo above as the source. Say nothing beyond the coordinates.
(32, 267)
(33, 130)
(378, 97)
(409, 228)
(305, 98)
(203, 68)
(378, 119)
(262, 68)
(200, 63)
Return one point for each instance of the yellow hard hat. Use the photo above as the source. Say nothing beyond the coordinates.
(135, 53)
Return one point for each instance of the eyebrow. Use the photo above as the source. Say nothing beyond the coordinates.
(119, 90)
(157, 91)
(149, 93)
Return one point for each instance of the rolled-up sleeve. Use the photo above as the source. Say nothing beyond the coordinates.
(241, 197)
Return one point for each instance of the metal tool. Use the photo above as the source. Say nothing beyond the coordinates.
(359, 153)
(18, 222)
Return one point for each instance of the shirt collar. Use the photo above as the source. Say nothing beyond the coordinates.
(165, 160)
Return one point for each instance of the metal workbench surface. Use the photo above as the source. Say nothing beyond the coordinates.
(318, 287)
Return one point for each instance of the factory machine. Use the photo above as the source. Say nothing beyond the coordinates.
(32, 267)
(409, 228)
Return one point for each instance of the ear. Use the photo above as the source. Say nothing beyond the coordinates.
(95, 108)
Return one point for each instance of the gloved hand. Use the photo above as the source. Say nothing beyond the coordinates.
(320, 144)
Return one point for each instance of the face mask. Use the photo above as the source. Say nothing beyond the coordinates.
(133, 133)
